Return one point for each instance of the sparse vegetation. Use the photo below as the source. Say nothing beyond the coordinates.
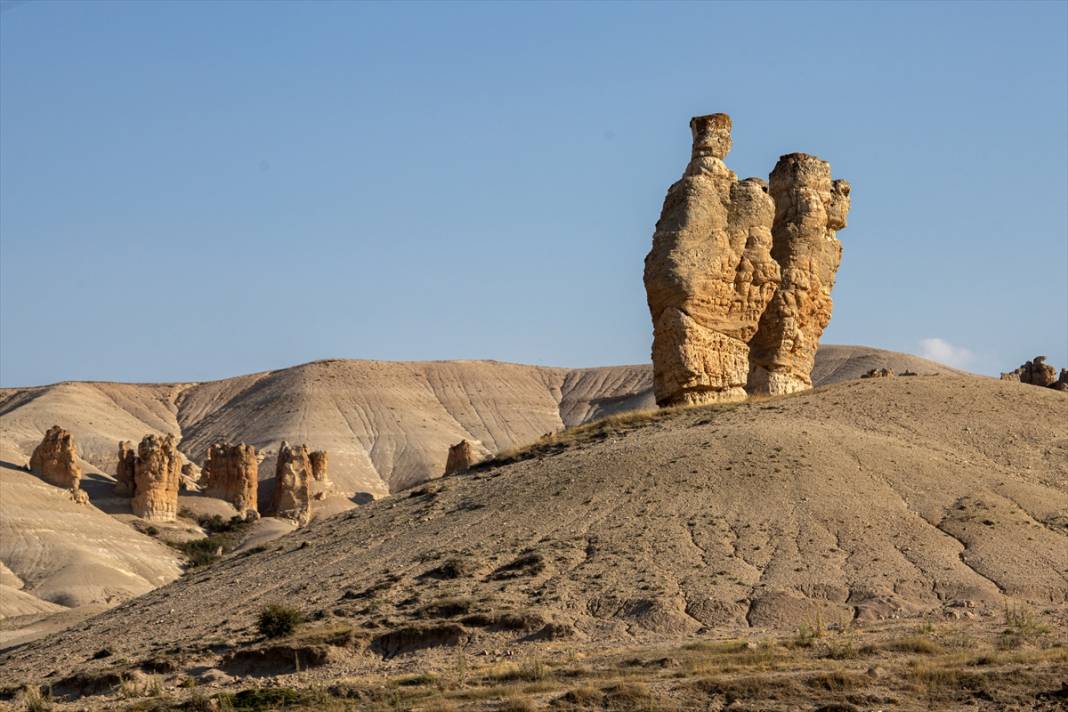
(223, 534)
(33, 700)
(277, 621)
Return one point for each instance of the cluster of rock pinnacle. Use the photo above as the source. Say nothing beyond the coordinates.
(740, 274)
(1037, 372)
(153, 474)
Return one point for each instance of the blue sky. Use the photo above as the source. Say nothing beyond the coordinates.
(197, 190)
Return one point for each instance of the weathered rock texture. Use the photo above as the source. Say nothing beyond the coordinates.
(810, 208)
(709, 275)
(321, 484)
(157, 474)
(878, 373)
(461, 457)
(124, 469)
(231, 473)
(1036, 372)
(293, 483)
(55, 459)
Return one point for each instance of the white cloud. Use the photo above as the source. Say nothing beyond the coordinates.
(944, 352)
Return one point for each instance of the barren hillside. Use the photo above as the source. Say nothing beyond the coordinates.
(943, 495)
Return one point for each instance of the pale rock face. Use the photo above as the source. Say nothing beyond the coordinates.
(124, 470)
(461, 457)
(231, 473)
(55, 459)
(293, 483)
(810, 208)
(157, 476)
(1037, 373)
(709, 275)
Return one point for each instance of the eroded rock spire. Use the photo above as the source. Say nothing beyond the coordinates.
(710, 274)
(810, 208)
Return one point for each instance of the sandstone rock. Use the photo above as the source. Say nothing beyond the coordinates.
(157, 473)
(709, 275)
(124, 470)
(231, 472)
(461, 457)
(879, 373)
(1037, 373)
(293, 483)
(810, 208)
(55, 459)
(1062, 381)
(79, 496)
(321, 484)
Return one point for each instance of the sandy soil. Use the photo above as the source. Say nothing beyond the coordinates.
(944, 497)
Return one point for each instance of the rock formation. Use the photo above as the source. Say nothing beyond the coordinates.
(231, 472)
(1037, 372)
(461, 457)
(321, 483)
(878, 373)
(55, 459)
(810, 208)
(293, 483)
(124, 469)
(157, 472)
(709, 274)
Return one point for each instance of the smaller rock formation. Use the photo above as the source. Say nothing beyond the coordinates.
(124, 469)
(1036, 372)
(879, 373)
(1062, 382)
(461, 457)
(55, 459)
(321, 484)
(231, 472)
(293, 483)
(810, 208)
(157, 474)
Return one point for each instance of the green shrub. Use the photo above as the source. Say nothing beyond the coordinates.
(276, 620)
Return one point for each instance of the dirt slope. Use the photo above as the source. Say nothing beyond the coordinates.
(387, 425)
(939, 495)
(57, 555)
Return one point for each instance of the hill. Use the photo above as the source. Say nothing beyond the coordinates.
(387, 425)
(860, 502)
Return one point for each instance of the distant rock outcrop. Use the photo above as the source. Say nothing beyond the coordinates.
(810, 208)
(124, 470)
(293, 483)
(157, 474)
(231, 472)
(1037, 372)
(321, 483)
(461, 457)
(710, 274)
(55, 459)
(878, 373)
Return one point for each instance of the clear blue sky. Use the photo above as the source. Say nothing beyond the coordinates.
(198, 190)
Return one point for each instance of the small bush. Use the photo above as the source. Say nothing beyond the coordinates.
(276, 620)
(913, 644)
(34, 701)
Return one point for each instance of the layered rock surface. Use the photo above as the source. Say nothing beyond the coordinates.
(293, 483)
(461, 457)
(124, 469)
(55, 459)
(231, 472)
(810, 207)
(1037, 372)
(157, 476)
(709, 275)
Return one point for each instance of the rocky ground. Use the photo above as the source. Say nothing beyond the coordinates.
(814, 532)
